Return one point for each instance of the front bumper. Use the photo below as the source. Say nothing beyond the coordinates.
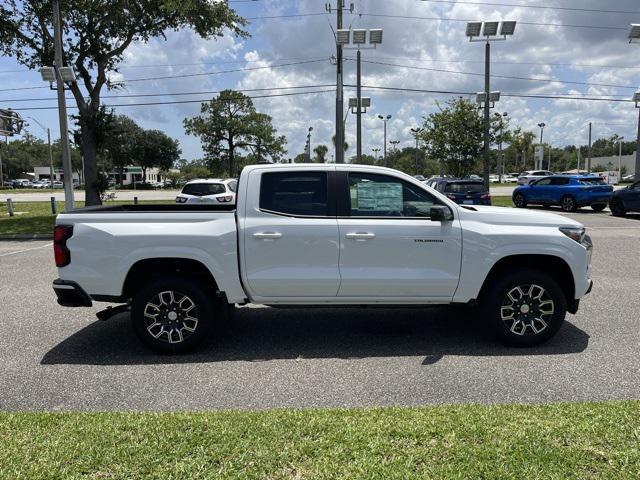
(70, 294)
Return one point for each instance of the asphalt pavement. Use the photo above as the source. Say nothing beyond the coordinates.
(56, 358)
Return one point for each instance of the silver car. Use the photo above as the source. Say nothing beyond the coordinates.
(530, 175)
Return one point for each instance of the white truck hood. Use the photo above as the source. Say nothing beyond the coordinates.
(515, 216)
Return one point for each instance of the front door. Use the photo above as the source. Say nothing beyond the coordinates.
(291, 241)
(389, 246)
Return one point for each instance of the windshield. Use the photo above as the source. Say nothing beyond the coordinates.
(465, 187)
(592, 181)
(202, 189)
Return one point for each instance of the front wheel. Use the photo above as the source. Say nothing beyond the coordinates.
(525, 308)
(519, 200)
(568, 204)
(172, 315)
(598, 207)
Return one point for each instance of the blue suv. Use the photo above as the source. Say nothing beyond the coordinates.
(569, 191)
(464, 192)
(625, 200)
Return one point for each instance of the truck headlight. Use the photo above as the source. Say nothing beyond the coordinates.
(574, 233)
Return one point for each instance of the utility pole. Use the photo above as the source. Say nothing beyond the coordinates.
(636, 172)
(487, 118)
(339, 89)
(62, 109)
(589, 157)
(1, 175)
(384, 147)
(359, 110)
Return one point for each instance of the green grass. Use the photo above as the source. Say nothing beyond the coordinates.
(561, 441)
(36, 217)
(501, 201)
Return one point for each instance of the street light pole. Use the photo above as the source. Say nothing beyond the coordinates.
(375, 151)
(62, 109)
(359, 110)
(490, 31)
(500, 157)
(384, 147)
(339, 90)
(487, 118)
(416, 132)
(539, 167)
(620, 139)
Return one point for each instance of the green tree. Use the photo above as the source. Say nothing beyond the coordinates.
(229, 125)
(321, 153)
(454, 135)
(120, 143)
(96, 34)
(155, 149)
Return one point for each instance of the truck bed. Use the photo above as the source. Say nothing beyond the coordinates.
(155, 207)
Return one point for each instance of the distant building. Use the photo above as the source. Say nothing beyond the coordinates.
(44, 173)
(626, 161)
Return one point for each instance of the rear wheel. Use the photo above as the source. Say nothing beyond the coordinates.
(598, 207)
(525, 308)
(617, 208)
(519, 200)
(172, 315)
(568, 204)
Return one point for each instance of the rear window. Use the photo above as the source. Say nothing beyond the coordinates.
(465, 187)
(592, 181)
(202, 189)
(233, 186)
(295, 193)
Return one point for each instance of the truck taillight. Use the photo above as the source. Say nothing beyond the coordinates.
(62, 255)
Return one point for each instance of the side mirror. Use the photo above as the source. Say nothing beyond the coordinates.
(439, 213)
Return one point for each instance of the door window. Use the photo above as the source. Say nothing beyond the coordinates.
(373, 195)
(543, 182)
(295, 193)
(559, 181)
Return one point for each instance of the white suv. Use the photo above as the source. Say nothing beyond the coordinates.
(213, 190)
(530, 175)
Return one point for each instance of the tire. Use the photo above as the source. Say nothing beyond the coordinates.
(568, 204)
(519, 201)
(172, 315)
(524, 308)
(617, 208)
(598, 207)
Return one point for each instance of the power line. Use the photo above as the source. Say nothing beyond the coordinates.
(508, 77)
(189, 75)
(168, 94)
(290, 94)
(497, 62)
(449, 19)
(167, 65)
(542, 7)
(517, 95)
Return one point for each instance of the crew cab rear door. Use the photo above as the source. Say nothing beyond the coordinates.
(389, 247)
(289, 234)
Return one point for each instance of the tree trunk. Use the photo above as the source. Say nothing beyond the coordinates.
(121, 170)
(231, 160)
(88, 136)
(144, 174)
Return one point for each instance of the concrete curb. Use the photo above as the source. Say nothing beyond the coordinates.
(27, 236)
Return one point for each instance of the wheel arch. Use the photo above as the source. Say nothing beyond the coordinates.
(148, 269)
(552, 265)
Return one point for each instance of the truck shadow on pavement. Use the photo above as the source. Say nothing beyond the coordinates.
(263, 334)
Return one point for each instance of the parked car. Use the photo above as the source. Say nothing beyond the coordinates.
(530, 175)
(419, 177)
(509, 178)
(41, 184)
(57, 184)
(321, 234)
(625, 200)
(432, 181)
(464, 192)
(569, 191)
(628, 178)
(207, 191)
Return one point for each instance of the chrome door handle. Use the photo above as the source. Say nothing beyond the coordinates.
(267, 235)
(360, 236)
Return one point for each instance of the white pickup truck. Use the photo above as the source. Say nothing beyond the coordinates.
(322, 235)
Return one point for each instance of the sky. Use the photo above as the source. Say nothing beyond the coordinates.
(577, 47)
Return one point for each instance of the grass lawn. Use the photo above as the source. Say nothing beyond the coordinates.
(36, 217)
(560, 441)
(501, 201)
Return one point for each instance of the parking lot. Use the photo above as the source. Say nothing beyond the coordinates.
(57, 359)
